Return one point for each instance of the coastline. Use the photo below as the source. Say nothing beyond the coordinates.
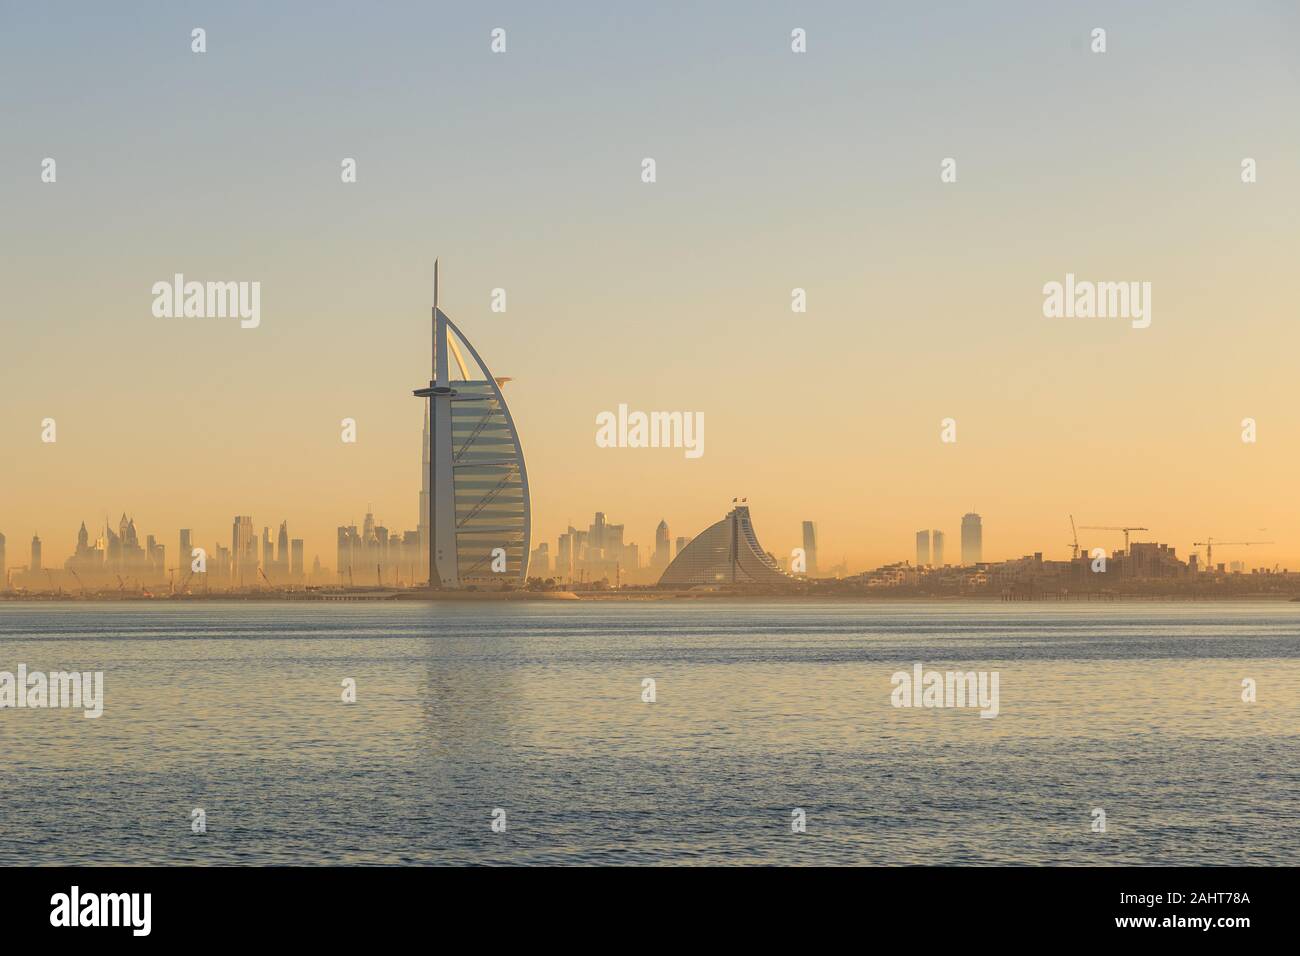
(608, 597)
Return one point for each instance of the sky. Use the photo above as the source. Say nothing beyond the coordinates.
(774, 171)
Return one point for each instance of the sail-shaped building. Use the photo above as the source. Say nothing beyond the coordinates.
(478, 523)
(726, 553)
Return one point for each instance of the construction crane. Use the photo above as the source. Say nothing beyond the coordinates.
(1074, 531)
(265, 578)
(1096, 527)
(121, 585)
(1209, 544)
(50, 575)
(78, 577)
(184, 583)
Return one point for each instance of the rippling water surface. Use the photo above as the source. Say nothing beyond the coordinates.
(761, 708)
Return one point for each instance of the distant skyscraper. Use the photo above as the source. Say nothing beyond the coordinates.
(663, 546)
(185, 554)
(268, 552)
(410, 548)
(680, 546)
(156, 554)
(243, 550)
(936, 545)
(810, 547)
(540, 563)
(972, 539)
(282, 548)
(4, 581)
(564, 556)
(922, 548)
(112, 547)
(613, 542)
(36, 554)
(128, 557)
(295, 566)
(348, 551)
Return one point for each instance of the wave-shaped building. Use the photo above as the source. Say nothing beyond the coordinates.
(478, 523)
(725, 553)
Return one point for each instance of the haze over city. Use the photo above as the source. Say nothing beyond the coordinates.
(924, 299)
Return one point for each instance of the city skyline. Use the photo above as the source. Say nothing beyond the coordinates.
(907, 279)
(371, 554)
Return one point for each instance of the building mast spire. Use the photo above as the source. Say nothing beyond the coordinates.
(435, 318)
(442, 536)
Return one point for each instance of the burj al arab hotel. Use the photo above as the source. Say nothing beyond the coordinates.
(475, 511)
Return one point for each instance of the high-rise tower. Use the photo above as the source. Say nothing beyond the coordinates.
(243, 550)
(972, 539)
(282, 549)
(478, 501)
(663, 546)
(810, 547)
